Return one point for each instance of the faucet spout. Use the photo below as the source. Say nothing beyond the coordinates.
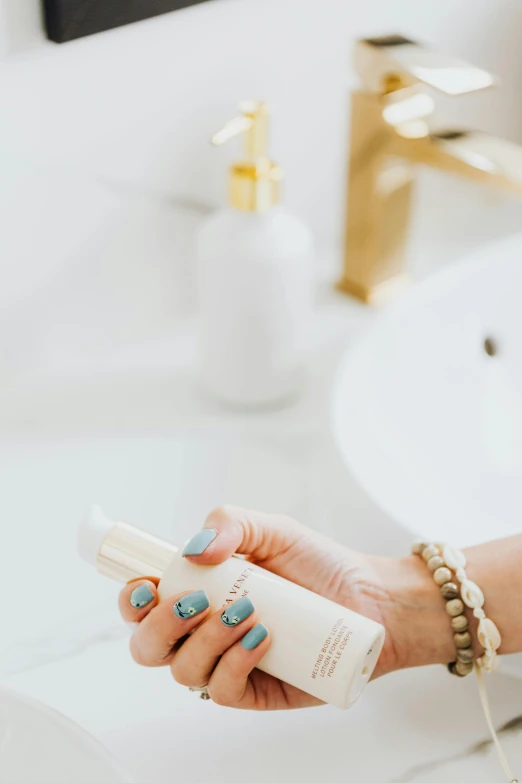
(478, 156)
(391, 134)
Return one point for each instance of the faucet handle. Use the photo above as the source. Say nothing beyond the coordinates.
(391, 62)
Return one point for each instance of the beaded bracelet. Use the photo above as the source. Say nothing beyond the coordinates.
(442, 560)
(487, 632)
(433, 556)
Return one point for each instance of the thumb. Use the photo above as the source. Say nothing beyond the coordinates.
(229, 529)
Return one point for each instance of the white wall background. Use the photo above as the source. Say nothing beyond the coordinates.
(104, 141)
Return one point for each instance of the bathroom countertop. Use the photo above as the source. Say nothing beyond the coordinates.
(155, 448)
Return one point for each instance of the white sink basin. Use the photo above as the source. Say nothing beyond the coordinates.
(428, 422)
(38, 745)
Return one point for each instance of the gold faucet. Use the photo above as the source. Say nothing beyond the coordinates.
(391, 132)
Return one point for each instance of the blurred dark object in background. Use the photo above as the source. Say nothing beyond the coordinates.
(69, 19)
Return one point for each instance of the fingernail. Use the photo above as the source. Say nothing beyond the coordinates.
(199, 542)
(141, 596)
(255, 636)
(238, 611)
(191, 604)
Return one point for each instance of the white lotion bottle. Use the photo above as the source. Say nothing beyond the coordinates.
(255, 264)
(318, 646)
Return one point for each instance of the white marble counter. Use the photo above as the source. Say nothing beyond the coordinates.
(138, 437)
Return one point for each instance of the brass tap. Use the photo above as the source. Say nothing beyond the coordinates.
(391, 132)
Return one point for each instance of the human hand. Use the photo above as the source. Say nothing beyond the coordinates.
(224, 658)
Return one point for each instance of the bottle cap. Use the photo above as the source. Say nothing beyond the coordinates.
(255, 180)
(122, 551)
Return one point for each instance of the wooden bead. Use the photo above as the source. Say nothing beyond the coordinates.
(454, 607)
(449, 590)
(430, 551)
(465, 655)
(462, 639)
(459, 623)
(464, 668)
(418, 547)
(471, 594)
(454, 557)
(435, 562)
(452, 668)
(442, 575)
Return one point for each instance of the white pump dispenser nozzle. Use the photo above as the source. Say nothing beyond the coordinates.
(93, 530)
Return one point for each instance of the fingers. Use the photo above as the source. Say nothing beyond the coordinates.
(229, 529)
(196, 659)
(137, 599)
(220, 653)
(161, 626)
(230, 684)
(226, 646)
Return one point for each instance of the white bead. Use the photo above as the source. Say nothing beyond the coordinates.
(454, 557)
(461, 574)
(488, 634)
(471, 594)
(479, 612)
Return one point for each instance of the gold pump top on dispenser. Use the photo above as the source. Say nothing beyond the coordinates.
(255, 180)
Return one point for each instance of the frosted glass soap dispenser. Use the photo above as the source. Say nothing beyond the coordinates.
(254, 279)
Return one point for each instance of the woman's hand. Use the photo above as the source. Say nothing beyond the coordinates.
(224, 657)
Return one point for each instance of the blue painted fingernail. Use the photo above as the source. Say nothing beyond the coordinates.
(141, 596)
(199, 542)
(238, 611)
(255, 636)
(191, 604)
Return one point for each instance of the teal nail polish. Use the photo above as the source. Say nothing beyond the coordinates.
(141, 596)
(238, 611)
(199, 542)
(191, 604)
(255, 636)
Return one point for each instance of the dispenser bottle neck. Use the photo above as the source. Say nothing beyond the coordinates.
(255, 181)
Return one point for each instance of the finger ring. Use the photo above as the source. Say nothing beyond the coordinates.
(203, 692)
